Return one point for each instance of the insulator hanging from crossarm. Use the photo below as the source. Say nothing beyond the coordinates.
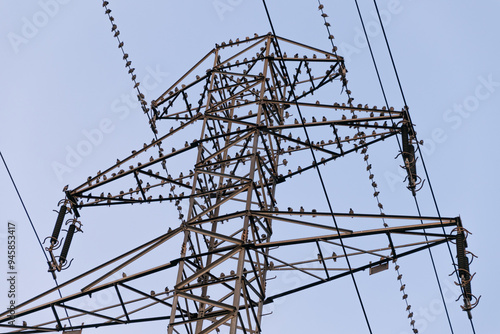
(465, 278)
(58, 225)
(407, 135)
(410, 162)
(67, 243)
(463, 261)
(68, 205)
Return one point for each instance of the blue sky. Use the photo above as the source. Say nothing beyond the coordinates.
(64, 80)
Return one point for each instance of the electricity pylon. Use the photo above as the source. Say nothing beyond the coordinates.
(228, 139)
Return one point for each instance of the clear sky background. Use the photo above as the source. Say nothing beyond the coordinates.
(63, 77)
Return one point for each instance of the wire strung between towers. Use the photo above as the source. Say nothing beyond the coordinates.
(420, 153)
(33, 227)
(376, 193)
(418, 145)
(423, 164)
(280, 58)
(128, 64)
(400, 148)
(133, 76)
(140, 95)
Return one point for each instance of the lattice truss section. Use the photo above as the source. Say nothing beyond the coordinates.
(228, 137)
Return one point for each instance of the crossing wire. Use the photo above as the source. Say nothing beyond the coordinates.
(280, 58)
(425, 170)
(399, 144)
(419, 150)
(376, 192)
(133, 76)
(128, 64)
(32, 226)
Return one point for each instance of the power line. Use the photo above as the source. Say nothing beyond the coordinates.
(24, 206)
(133, 76)
(32, 225)
(292, 90)
(418, 147)
(399, 144)
(366, 159)
(423, 162)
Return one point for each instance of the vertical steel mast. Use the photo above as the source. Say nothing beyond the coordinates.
(238, 171)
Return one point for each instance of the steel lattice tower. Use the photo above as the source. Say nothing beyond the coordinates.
(226, 144)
